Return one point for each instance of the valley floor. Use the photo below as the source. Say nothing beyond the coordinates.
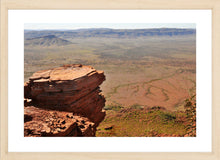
(141, 74)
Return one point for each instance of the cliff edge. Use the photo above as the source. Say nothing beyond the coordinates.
(64, 101)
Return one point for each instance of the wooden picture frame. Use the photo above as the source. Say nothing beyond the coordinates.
(110, 5)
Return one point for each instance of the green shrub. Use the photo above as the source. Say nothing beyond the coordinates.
(136, 106)
(166, 116)
(113, 107)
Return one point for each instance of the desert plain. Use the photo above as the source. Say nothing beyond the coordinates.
(149, 77)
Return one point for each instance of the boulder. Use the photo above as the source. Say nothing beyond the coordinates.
(72, 89)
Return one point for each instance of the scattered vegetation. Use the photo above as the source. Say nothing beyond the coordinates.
(140, 121)
(113, 107)
(142, 69)
(190, 108)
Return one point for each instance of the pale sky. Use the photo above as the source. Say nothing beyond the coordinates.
(64, 26)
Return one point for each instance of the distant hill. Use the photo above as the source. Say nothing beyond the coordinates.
(110, 33)
(48, 40)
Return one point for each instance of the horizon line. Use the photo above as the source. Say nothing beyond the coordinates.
(115, 28)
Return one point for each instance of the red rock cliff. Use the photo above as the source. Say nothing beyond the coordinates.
(55, 93)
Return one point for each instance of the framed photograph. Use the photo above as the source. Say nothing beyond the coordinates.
(92, 81)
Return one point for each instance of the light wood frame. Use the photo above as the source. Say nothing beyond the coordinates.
(214, 5)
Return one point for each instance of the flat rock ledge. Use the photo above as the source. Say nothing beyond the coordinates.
(64, 101)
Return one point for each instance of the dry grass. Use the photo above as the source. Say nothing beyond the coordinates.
(140, 122)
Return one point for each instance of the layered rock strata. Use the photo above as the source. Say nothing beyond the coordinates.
(68, 89)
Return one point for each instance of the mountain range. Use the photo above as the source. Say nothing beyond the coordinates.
(48, 40)
(109, 33)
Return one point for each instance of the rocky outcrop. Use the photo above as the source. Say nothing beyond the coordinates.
(70, 89)
(41, 122)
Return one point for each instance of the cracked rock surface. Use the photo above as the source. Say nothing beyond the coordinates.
(64, 101)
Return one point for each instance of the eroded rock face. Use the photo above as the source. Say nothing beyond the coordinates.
(68, 89)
